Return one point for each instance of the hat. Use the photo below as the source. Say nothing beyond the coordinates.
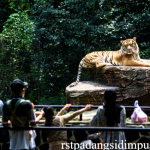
(18, 82)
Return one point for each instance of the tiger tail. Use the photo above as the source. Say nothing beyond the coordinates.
(79, 74)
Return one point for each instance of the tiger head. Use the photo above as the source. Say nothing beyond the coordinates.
(129, 46)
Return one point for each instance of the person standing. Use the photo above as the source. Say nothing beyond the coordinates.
(20, 113)
(110, 115)
(56, 139)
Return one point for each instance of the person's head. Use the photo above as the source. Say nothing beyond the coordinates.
(18, 87)
(86, 145)
(112, 110)
(95, 138)
(91, 140)
(110, 96)
(49, 115)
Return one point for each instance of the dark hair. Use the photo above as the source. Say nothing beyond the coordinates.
(49, 115)
(95, 138)
(87, 145)
(17, 85)
(112, 110)
(16, 89)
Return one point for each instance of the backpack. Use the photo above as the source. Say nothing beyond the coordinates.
(13, 115)
(13, 111)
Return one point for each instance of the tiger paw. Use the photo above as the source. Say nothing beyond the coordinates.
(108, 64)
(73, 84)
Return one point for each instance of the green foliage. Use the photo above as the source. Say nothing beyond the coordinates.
(17, 50)
(77, 27)
(5, 12)
(148, 119)
(33, 96)
(128, 119)
(17, 30)
(145, 54)
(69, 30)
(53, 100)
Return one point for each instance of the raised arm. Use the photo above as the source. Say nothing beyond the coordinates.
(38, 118)
(68, 117)
(62, 111)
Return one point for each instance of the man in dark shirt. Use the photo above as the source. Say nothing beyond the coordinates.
(20, 113)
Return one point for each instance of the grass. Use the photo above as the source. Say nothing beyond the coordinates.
(148, 119)
(128, 119)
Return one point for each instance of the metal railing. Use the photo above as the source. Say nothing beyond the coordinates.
(77, 128)
(82, 106)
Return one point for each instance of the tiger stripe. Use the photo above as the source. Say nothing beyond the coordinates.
(129, 51)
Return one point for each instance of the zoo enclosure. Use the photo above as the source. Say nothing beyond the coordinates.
(48, 48)
(80, 128)
(144, 108)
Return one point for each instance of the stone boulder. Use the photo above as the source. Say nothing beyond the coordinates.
(131, 83)
(86, 92)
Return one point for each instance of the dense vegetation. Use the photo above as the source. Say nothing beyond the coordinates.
(68, 30)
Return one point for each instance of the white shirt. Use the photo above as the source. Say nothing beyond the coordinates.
(1, 108)
(20, 140)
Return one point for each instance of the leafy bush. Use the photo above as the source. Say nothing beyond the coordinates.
(53, 100)
(69, 30)
(17, 31)
(145, 54)
(17, 59)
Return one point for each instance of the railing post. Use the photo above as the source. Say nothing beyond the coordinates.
(81, 117)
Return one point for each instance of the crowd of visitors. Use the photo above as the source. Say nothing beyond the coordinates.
(19, 113)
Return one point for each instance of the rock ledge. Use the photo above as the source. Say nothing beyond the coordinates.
(131, 83)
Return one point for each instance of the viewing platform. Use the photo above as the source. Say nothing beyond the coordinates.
(140, 135)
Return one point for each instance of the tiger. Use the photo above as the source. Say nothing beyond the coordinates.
(128, 55)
